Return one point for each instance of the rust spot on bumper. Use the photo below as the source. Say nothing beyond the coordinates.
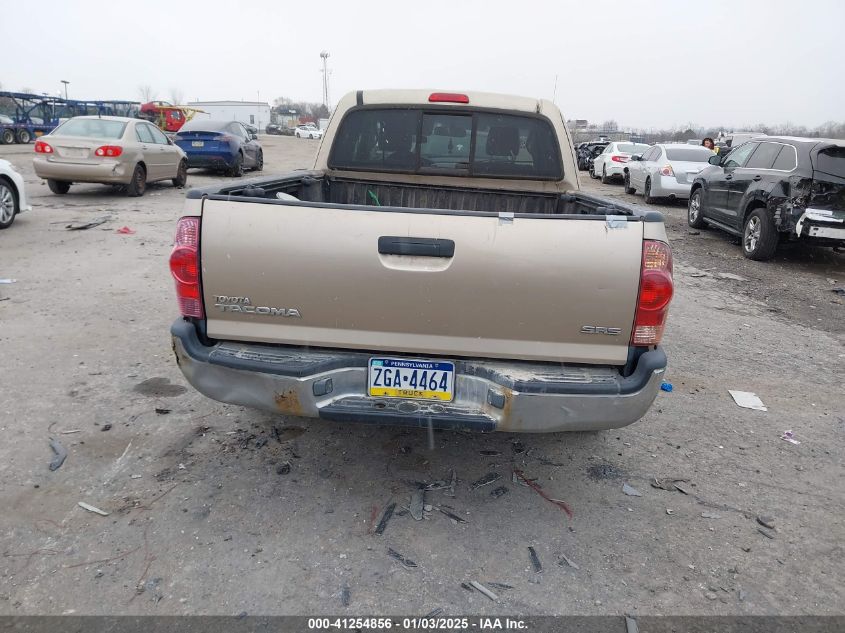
(288, 402)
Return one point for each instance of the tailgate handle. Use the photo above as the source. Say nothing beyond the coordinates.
(420, 246)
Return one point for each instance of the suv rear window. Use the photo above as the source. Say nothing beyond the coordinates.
(831, 161)
(448, 142)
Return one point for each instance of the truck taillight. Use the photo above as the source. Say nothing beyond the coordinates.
(111, 151)
(43, 148)
(447, 97)
(667, 170)
(184, 266)
(656, 288)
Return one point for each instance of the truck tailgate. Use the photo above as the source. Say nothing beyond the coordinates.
(512, 288)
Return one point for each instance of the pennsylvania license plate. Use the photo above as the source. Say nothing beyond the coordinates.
(409, 378)
(197, 143)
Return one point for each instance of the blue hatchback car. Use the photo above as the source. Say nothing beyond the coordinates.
(222, 145)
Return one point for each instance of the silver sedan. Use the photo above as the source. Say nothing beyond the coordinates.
(665, 171)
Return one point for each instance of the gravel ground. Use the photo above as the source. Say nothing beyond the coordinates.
(216, 509)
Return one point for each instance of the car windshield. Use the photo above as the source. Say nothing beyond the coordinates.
(632, 148)
(91, 128)
(204, 125)
(689, 154)
(473, 143)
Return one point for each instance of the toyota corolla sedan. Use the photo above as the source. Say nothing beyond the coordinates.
(109, 150)
(665, 171)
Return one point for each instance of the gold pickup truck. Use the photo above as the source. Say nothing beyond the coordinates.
(438, 266)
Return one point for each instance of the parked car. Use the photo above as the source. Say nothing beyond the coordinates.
(298, 303)
(251, 129)
(273, 128)
(611, 162)
(774, 189)
(108, 150)
(588, 151)
(220, 145)
(13, 198)
(665, 171)
(309, 130)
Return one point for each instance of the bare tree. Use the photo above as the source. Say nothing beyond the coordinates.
(145, 91)
(610, 126)
(176, 96)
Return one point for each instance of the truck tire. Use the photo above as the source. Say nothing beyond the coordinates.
(8, 204)
(24, 137)
(759, 236)
(138, 185)
(181, 175)
(626, 181)
(8, 136)
(60, 187)
(695, 217)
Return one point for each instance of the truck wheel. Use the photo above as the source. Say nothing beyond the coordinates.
(24, 137)
(627, 183)
(8, 205)
(647, 197)
(8, 136)
(695, 218)
(138, 185)
(60, 187)
(604, 179)
(181, 175)
(759, 237)
(237, 169)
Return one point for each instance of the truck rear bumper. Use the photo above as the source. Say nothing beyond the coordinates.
(489, 395)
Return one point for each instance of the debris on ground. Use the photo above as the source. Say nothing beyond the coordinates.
(261, 442)
(670, 484)
(90, 508)
(789, 436)
(666, 386)
(484, 590)
(518, 447)
(467, 587)
(535, 560)
(385, 517)
(75, 226)
(451, 515)
(106, 427)
(747, 400)
(669, 511)
(163, 411)
(765, 533)
(631, 623)
(498, 492)
(731, 276)
(345, 596)
(839, 291)
(60, 454)
(631, 491)
(499, 585)
(565, 560)
(536, 488)
(490, 453)
(125, 230)
(8, 281)
(417, 505)
(433, 613)
(487, 479)
(599, 472)
(407, 563)
(453, 479)
(766, 521)
(710, 515)
(283, 469)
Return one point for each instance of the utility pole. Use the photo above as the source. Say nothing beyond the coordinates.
(324, 55)
(65, 83)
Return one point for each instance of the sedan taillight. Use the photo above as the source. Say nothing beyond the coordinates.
(43, 148)
(112, 151)
(667, 170)
(619, 159)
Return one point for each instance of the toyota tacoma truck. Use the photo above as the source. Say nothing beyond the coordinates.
(437, 267)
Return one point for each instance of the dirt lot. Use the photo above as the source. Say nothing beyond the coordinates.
(206, 518)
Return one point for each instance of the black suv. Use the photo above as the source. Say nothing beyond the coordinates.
(774, 189)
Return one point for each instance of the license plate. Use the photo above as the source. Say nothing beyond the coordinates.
(410, 378)
(74, 152)
(197, 143)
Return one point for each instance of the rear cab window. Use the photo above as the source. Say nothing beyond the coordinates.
(460, 143)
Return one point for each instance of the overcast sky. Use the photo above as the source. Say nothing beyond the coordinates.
(643, 63)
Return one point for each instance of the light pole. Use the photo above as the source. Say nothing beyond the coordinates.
(324, 55)
(65, 83)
